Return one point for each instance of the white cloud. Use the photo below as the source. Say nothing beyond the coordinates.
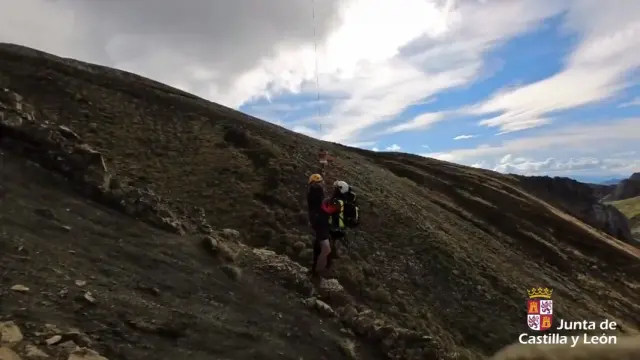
(519, 125)
(394, 147)
(375, 149)
(634, 102)
(284, 108)
(423, 121)
(362, 144)
(375, 58)
(427, 147)
(625, 153)
(571, 166)
(450, 55)
(505, 159)
(620, 164)
(594, 71)
(188, 44)
(617, 164)
(615, 136)
(462, 137)
(304, 130)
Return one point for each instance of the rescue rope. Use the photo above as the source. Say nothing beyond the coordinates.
(323, 163)
(315, 54)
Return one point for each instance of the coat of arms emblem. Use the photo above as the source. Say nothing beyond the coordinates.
(539, 309)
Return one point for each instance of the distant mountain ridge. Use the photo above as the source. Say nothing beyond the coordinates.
(610, 182)
(600, 180)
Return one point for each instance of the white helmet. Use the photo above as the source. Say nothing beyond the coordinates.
(342, 186)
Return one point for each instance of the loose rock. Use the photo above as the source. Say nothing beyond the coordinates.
(10, 333)
(53, 340)
(85, 354)
(31, 351)
(8, 354)
(89, 297)
(19, 288)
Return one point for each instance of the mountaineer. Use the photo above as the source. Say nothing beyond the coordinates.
(337, 213)
(315, 197)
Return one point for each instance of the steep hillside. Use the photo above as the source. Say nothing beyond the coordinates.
(102, 280)
(631, 209)
(582, 201)
(445, 251)
(600, 190)
(626, 189)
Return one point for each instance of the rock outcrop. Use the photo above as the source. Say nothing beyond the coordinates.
(581, 201)
(58, 148)
(48, 342)
(610, 220)
(626, 189)
(330, 299)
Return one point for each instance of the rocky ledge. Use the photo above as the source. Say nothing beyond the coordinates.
(58, 148)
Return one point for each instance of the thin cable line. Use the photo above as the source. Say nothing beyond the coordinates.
(315, 52)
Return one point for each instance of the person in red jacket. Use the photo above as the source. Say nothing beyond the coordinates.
(322, 244)
(328, 226)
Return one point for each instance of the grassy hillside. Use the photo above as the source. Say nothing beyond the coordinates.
(631, 209)
(445, 250)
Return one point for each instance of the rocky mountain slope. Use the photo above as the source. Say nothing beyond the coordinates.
(582, 201)
(626, 189)
(79, 279)
(631, 209)
(439, 269)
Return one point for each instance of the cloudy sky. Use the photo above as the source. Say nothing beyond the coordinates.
(527, 86)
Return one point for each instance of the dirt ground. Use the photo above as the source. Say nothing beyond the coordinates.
(156, 295)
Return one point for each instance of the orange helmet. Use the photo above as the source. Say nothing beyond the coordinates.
(315, 178)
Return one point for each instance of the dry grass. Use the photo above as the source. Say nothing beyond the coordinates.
(630, 208)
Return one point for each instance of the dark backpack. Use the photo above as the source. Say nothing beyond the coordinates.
(350, 211)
